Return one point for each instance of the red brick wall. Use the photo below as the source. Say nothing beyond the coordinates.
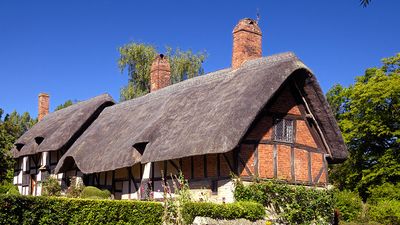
(301, 165)
(262, 129)
(284, 163)
(323, 179)
(303, 135)
(285, 103)
(266, 161)
(317, 163)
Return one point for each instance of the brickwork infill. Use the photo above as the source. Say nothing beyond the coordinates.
(303, 135)
(285, 104)
(284, 164)
(266, 161)
(301, 165)
(316, 165)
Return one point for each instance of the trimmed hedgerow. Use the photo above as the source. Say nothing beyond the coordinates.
(95, 193)
(293, 204)
(55, 210)
(247, 210)
(51, 210)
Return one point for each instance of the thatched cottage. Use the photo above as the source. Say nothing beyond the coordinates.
(264, 117)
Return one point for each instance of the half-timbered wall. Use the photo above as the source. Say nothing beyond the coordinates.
(208, 176)
(299, 161)
(28, 173)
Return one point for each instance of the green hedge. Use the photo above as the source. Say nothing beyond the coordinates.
(386, 212)
(52, 210)
(247, 210)
(28, 210)
(293, 204)
(95, 193)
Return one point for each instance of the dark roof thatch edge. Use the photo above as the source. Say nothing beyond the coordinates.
(27, 139)
(337, 156)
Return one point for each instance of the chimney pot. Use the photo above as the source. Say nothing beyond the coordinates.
(43, 105)
(247, 45)
(160, 73)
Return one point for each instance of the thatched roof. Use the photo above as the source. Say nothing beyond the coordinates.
(203, 115)
(58, 130)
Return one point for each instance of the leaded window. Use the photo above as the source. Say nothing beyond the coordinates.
(283, 130)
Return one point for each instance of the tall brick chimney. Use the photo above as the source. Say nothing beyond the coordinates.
(160, 73)
(246, 42)
(43, 105)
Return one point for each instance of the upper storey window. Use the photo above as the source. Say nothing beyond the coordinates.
(283, 130)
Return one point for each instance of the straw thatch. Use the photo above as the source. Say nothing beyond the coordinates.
(203, 115)
(58, 130)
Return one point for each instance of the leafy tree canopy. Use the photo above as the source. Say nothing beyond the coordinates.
(368, 113)
(137, 58)
(65, 104)
(12, 126)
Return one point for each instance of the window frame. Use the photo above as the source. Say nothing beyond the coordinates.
(289, 136)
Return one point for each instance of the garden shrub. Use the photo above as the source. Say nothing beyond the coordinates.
(349, 204)
(51, 187)
(29, 210)
(386, 191)
(293, 204)
(8, 188)
(385, 212)
(95, 193)
(360, 223)
(247, 210)
(75, 188)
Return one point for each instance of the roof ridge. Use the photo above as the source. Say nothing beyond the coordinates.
(78, 104)
(205, 78)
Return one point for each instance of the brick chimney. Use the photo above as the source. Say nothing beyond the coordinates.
(246, 42)
(160, 73)
(43, 105)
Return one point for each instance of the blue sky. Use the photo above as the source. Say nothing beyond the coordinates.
(69, 49)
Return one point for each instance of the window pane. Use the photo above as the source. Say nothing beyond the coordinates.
(284, 130)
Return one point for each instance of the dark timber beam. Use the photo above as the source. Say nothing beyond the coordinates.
(245, 166)
(228, 162)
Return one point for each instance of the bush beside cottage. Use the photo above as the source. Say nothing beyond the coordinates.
(18, 209)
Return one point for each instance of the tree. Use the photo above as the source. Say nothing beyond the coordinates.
(185, 64)
(65, 105)
(137, 59)
(368, 113)
(11, 127)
